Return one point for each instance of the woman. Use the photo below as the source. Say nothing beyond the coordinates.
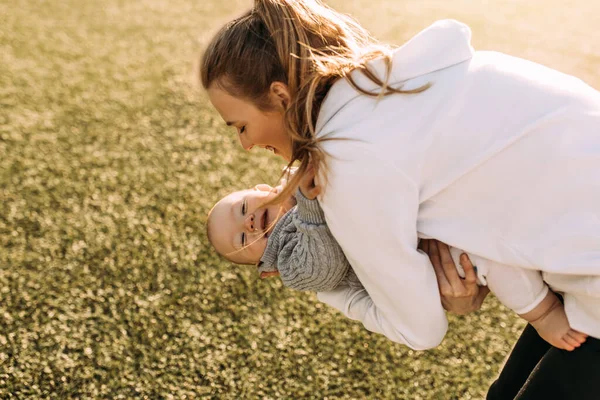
(454, 137)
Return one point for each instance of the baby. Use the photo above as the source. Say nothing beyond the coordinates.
(292, 240)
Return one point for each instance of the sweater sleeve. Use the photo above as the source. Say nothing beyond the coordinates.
(371, 209)
(310, 259)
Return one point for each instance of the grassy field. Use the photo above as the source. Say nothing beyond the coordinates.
(110, 159)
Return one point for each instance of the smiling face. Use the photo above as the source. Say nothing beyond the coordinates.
(254, 126)
(239, 226)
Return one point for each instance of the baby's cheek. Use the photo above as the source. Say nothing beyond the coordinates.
(261, 245)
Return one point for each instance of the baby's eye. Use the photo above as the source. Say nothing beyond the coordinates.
(244, 207)
(242, 129)
(243, 239)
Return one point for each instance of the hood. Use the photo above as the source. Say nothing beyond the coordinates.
(441, 45)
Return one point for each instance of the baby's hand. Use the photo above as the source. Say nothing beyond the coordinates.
(553, 326)
(287, 174)
(269, 274)
(308, 187)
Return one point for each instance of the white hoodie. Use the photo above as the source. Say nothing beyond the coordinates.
(499, 157)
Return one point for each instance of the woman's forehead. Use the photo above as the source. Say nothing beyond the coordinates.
(224, 102)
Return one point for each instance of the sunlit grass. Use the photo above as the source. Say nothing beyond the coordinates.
(109, 161)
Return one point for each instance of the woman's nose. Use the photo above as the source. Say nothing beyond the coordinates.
(246, 144)
(249, 223)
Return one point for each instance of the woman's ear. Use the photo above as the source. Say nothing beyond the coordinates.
(280, 94)
(263, 187)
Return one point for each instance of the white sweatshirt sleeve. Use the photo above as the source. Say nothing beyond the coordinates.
(372, 212)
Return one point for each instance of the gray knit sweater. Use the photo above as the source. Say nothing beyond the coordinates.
(304, 251)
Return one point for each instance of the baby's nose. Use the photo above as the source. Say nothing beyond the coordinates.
(250, 223)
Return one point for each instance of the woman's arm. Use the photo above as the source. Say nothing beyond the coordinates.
(372, 211)
(460, 296)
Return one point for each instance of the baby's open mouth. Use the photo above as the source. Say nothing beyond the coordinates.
(264, 222)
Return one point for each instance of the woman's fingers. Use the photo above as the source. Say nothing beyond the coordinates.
(434, 254)
(470, 274)
(458, 297)
(434, 257)
(450, 269)
(483, 291)
(424, 245)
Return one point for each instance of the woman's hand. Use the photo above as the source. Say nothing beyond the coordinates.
(460, 296)
(287, 174)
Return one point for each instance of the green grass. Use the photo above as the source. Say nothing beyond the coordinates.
(110, 159)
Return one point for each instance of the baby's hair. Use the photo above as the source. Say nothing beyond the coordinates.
(304, 44)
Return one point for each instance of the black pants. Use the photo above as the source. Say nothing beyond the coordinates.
(536, 370)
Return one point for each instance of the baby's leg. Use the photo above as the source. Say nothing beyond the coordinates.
(525, 292)
(581, 298)
(551, 322)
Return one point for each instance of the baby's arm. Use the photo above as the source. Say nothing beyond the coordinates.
(308, 257)
(525, 292)
(311, 259)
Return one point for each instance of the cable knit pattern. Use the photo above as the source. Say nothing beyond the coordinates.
(304, 251)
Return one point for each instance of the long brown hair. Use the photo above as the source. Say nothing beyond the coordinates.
(304, 44)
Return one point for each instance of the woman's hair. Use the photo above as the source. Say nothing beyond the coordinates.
(304, 44)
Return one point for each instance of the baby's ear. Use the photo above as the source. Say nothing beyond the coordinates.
(263, 187)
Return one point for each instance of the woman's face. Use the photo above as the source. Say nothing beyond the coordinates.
(255, 127)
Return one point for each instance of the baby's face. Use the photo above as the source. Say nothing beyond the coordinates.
(240, 226)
